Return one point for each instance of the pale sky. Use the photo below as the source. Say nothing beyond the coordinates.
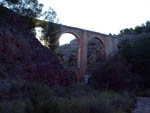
(104, 16)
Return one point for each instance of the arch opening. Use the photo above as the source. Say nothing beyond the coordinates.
(68, 53)
(95, 53)
(67, 37)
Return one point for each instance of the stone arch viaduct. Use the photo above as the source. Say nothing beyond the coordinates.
(109, 45)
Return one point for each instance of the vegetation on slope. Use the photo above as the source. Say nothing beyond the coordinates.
(129, 69)
(144, 28)
(25, 97)
(29, 11)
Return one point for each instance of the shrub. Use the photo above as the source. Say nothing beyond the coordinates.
(38, 98)
(114, 75)
(137, 54)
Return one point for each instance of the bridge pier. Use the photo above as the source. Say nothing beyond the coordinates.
(84, 44)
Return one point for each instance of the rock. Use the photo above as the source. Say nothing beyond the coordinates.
(23, 55)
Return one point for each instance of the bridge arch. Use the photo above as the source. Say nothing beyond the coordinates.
(79, 46)
(101, 41)
(84, 36)
(109, 43)
(72, 33)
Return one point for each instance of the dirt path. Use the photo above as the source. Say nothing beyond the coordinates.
(143, 105)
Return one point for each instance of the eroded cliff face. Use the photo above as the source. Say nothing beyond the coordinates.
(21, 54)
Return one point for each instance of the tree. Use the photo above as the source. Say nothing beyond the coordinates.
(137, 30)
(52, 30)
(147, 24)
(50, 36)
(30, 8)
(50, 15)
(127, 31)
(138, 56)
(13, 1)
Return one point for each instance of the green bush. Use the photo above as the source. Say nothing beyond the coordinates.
(138, 56)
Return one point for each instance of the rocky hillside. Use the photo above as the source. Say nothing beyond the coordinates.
(21, 54)
(68, 53)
